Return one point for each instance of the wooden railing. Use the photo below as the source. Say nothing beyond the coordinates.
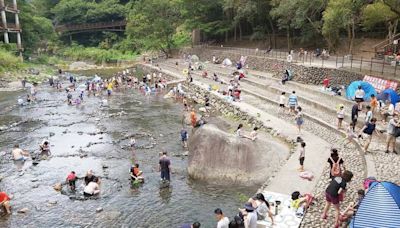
(89, 26)
(386, 43)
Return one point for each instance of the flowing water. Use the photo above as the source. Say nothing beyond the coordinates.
(96, 137)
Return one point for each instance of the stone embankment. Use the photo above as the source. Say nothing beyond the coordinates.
(303, 74)
(351, 155)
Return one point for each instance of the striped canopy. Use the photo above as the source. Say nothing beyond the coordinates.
(380, 207)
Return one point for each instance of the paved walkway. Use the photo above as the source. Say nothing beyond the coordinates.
(286, 179)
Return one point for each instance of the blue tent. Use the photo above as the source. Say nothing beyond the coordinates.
(389, 94)
(368, 89)
(379, 208)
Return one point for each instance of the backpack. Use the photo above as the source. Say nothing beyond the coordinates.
(335, 170)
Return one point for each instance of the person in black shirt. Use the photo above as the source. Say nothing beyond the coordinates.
(334, 158)
(164, 167)
(354, 115)
(334, 193)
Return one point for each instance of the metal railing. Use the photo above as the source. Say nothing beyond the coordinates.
(387, 67)
(89, 26)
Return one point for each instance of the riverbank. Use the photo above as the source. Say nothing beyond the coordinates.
(352, 154)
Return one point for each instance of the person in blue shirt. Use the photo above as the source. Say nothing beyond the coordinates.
(184, 137)
(292, 102)
(368, 130)
(194, 225)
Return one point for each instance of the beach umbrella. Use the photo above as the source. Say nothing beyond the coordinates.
(379, 208)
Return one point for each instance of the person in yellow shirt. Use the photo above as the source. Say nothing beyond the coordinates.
(109, 88)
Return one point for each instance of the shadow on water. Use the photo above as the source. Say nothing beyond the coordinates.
(95, 137)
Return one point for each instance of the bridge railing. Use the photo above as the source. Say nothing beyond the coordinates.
(88, 26)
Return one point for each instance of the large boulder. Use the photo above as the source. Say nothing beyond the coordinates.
(218, 157)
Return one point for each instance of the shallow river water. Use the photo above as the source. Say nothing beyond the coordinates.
(96, 137)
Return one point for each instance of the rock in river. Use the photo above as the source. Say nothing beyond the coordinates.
(219, 157)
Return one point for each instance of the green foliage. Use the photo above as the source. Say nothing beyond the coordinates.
(78, 53)
(376, 13)
(37, 30)
(153, 25)
(8, 61)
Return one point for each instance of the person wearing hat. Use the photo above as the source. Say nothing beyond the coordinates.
(249, 215)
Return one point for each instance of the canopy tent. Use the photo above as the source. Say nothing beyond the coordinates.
(368, 89)
(227, 62)
(194, 58)
(380, 207)
(389, 94)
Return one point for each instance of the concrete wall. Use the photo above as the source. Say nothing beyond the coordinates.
(303, 74)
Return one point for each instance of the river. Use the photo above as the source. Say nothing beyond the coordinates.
(95, 137)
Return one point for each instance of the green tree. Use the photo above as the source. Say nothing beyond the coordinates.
(342, 15)
(153, 25)
(378, 13)
(37, 31)
(302, 15)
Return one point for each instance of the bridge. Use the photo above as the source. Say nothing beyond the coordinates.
(69, 29)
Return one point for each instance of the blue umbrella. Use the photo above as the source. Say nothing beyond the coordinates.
(379, 208)
(389, 94)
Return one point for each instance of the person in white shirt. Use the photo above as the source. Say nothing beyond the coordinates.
(282, 101)
(359, 96)
(223, 222)
(289, 58)
(250, 215)
(340, 116)
(388, 110)
(92, 188)
(368, 115)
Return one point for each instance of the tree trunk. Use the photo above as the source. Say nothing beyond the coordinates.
(288, 37)
(235, 33)
(272, 45)
(240, 31)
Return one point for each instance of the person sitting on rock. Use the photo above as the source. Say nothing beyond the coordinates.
(5, 202)
(89, 177)
(45, 148)
(93, 188)
(136, 173)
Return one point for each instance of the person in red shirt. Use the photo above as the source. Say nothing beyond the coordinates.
(71, 178)
(326, 83)
(136, 173)
(5, 202)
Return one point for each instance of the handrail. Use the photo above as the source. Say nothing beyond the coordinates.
(386, 42)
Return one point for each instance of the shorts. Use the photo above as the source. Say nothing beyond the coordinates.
(184, 139)
(281, 105)
(292, 107)
(87, 194)
(359, 99)
(299, 122)
(390, 138)
(331, 199)
(165, 175)
(301, 160)
(340, 119)
(71, 183)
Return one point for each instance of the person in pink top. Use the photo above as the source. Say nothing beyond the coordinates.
(71, 178)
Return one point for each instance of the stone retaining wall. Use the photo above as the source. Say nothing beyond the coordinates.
(303, 74)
